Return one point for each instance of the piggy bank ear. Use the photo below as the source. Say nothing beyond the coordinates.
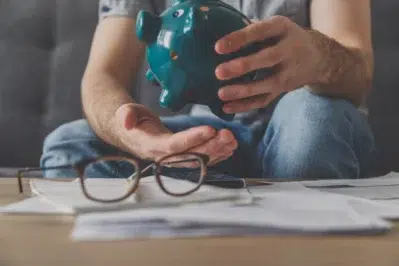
(147, 26)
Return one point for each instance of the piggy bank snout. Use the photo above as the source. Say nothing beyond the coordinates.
(147, 26)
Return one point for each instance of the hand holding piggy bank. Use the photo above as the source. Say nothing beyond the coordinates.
(181, 51)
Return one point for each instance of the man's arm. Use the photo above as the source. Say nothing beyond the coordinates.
(346, 64)
(115, 57)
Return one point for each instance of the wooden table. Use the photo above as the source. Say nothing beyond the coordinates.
(43, 240)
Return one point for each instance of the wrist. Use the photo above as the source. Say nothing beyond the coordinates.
(321, 73)
(339, 70)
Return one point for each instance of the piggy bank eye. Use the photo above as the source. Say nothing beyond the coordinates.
(178, 13)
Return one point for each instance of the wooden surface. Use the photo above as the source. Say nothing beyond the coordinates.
(43, 240)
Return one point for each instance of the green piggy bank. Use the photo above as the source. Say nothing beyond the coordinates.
(181, 51)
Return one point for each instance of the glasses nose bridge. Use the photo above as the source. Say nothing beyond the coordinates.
(153, 167)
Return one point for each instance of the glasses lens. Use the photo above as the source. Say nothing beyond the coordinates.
(182, 174)
(110, 179)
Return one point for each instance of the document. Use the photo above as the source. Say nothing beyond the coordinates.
(35, 205)
(382, 209)
(307, 207)
(385, 188)
(69, 196)
(55, 197)
(278, 213)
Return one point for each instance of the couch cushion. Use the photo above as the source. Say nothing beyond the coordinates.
(384, 101)
(44, 47)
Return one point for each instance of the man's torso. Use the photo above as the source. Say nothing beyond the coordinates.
(296, 10)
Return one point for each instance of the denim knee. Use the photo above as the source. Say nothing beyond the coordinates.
(71, 131)
(312, 136)
(70, 143)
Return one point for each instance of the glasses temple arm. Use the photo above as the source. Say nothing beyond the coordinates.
(19, 173)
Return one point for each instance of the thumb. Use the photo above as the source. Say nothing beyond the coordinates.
(130, 115)
(188, 139)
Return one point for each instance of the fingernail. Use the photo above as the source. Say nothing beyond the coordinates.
(224, 46)
(207, 132)
(227, 136)
(224, 72)
(228, 44)
(221, 94)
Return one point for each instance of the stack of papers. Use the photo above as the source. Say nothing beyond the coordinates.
(307, 207)
(277, 213)
(384, 188)
(68, 197)
(55, 197)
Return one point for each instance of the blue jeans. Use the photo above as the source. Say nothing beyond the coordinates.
(308, 136)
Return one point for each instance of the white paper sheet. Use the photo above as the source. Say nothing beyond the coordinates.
(386, 193)
(385, 188)
(389, 179)
(69, 195)
(294, 207)
(279, 212)
(66, 197)
(34, 205)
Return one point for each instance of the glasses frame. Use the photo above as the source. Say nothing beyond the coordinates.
(155, 166)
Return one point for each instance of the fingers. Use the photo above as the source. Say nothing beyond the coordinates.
(181, 161)
(283, 80)
(259, 31)
(267, 57)
(185, 140)
(248, 104)
(242, 91)
(222, 155)
(218, 148)
(221, 146)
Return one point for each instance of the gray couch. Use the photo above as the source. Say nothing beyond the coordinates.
(44, 46)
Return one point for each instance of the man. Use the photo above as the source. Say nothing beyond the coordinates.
(325, 62)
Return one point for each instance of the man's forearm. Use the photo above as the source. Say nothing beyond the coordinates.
(342, 72)
(101, 97)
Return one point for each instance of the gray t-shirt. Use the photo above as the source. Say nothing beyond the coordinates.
(296, 10)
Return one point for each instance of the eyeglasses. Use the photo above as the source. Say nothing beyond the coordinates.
(190, 167)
